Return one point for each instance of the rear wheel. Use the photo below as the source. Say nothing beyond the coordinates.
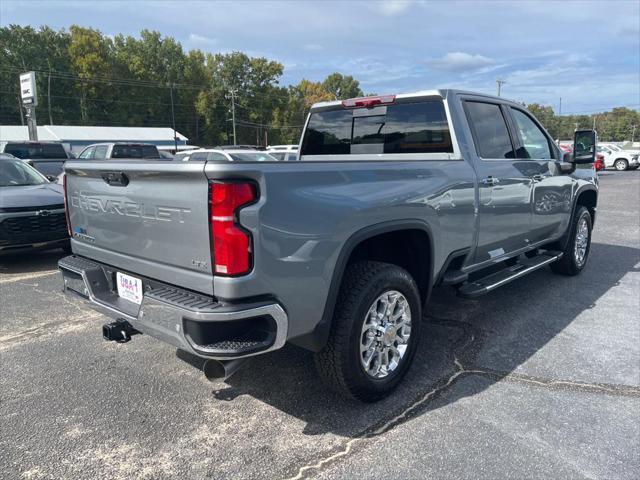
(620, 164)
(576, 253)
(375, 331)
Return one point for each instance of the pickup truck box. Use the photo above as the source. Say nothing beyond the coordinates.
(46, 157)
(338, 252)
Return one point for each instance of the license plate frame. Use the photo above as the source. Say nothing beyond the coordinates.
(129, 287)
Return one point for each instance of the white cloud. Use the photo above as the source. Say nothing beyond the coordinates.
(460, 62)
(313, 47)
(394, 7)
(202, 40)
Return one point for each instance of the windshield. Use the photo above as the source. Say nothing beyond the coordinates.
(36, 150)
(14, 173)
(615, 147)
(252, 157)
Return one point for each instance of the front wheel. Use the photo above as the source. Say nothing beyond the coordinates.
(576, 253)
(375, 331)
(620, 164)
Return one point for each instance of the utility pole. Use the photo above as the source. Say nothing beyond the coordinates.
(49, 98)
(232, 96)
(500, 83)
(633, 133)
(173, 122)
(559, 133)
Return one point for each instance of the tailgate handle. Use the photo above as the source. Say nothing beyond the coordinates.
(115, 179)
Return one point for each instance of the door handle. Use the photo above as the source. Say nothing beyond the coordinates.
(491, 181)
(538, 178)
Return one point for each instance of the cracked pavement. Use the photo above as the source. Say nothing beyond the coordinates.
(538, 379)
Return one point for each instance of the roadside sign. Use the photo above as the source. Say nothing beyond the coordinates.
(28, 88)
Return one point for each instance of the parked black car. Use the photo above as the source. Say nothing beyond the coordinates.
(31, 209)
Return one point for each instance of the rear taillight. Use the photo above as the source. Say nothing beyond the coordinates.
(66, 203)
(368, 102)
(230, 243)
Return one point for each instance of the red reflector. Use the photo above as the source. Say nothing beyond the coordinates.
(368, 102)
(66, 203)
(231, 244)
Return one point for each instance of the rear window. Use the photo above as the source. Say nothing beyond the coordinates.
(419, 127)
(36, 150)
(134, 151)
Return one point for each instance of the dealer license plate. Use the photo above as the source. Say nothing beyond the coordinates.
(129, 288)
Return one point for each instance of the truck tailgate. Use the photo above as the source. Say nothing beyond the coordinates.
(144, 217)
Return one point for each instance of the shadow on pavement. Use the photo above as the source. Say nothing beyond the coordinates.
(31, 262)
(504, 328)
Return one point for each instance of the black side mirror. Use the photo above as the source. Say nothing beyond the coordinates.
(51, 178)
(584, 146)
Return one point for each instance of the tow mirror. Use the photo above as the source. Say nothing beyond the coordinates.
(584, 146)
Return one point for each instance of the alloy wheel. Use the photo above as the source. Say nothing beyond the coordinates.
(385, 334)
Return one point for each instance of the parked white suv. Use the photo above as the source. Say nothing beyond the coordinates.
(617, 158)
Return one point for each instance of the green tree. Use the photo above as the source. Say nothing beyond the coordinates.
(91, 58)
(341, 87)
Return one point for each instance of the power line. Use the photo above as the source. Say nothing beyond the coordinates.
(106, 79)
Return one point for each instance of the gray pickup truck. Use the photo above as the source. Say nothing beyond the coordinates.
(338, 252)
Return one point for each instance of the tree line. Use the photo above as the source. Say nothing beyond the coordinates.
(85, 77)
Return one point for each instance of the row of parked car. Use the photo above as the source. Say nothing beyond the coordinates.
(610, 155)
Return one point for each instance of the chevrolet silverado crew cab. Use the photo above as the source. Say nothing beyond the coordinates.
(338, 252)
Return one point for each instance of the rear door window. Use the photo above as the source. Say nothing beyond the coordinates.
(418, 127)
(489, 130)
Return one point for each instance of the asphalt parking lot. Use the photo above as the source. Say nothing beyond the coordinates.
(538, 379)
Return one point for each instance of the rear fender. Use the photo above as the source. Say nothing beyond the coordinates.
(316, 340)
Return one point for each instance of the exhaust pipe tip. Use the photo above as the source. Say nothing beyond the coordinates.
(216, 370)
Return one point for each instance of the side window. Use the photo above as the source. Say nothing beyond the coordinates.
(87, 153)
(198, 156)
(490, 130)
(535, 143)
(217, 157)
(100, 152)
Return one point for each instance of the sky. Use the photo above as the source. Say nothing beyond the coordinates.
(585, 52)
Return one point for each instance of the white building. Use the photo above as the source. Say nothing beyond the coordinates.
(75, 138)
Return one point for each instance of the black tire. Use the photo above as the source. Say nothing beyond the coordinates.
(339, 364)
(620, 164)
(569, 264)
(67, 249)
